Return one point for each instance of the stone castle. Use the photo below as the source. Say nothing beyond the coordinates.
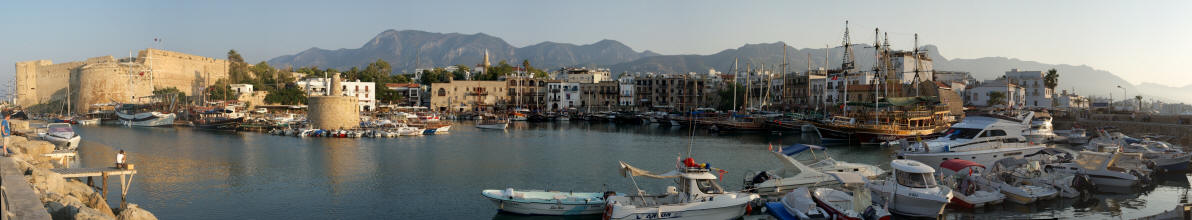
(109, 80)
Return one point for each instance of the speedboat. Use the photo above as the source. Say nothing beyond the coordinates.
(62, 135)
(698, 196)
(1012, 179)
(795, 174)
(979, 138)
(1165, 157)
(911, 190)
(971, 190)
(1041, 130)
(851, 201)
(1075, 136)
(538, 202)
(1101, 169)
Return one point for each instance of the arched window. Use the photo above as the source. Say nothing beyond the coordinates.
(442, 92)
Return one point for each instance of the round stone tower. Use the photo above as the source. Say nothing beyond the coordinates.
(333, 111)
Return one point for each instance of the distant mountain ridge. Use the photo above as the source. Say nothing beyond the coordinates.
(409, 49)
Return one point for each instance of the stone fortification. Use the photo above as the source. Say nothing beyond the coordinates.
(106, 79)
(333, 111)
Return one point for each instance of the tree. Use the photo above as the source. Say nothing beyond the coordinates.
(171, 92)
(237, 68)
(1139, 98)
(996, 98)
(220, 91)
(288, 95)
(1051, 80)
(726, 96)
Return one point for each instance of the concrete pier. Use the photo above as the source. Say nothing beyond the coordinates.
(19, 201)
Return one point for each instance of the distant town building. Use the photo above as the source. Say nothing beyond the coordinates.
(527, 92)
(907, 67)
(242, 88)
(467, 96)
(600, 96)
(1037, 93)
(1071, 101)
(365, 92)
(411, 93)
(951, 77)
(562, 96)
(626, 99)
(1013, 95)
(583, 75)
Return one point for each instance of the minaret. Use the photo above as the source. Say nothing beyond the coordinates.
(486, 64)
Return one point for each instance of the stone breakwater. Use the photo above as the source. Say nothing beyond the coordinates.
(63, 198)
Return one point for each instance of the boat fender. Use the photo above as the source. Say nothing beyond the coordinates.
(748, 208)
(608, 212)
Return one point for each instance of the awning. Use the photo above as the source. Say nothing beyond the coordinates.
(627, 170)
(799, 148)
(959, 164)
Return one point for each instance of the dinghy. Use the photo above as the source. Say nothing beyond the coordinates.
(538, 202)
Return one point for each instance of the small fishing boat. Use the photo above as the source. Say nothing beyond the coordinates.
(409, 131)
(1012, 179)
(498, 124)
(911, 190)
(795, 173)
(62, 135)
(1102, 169)
(971, 190)
(538, 202)
(851, 201)
(697, 197)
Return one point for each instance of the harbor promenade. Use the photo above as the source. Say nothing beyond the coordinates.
(19, 201)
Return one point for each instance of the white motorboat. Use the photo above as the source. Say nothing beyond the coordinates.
(911, 190)
(92, 121)
(1041, 130)
(795, 173)
(1015, 181)
(146, 119)
(798, 202)
(698, 196)
(493, 124)
(969, 186)
(1101, 169)
(62, 135)
(851, 201)
(1074, 136)
(409, 131)
(979, 138)
(1165, 157)
(538, 202)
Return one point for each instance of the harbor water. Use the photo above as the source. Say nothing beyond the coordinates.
(194, 174)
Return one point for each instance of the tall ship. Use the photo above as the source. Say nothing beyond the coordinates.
(880, 125)
(145, 115)
(223, 118)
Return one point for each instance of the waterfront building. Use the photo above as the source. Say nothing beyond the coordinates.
(1071, 101)
(626, 86)
(805, 89)
(673, 91)
(411, 93)
(562, 96)
(365, 92)
(527, 92)
(1014, 96)
(1037, 93)
(467, 96)
(951, 77)
(583, 75)
(600, 96)
(906, 67)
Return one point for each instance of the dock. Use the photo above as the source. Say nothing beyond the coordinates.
(18, 200)
(125, 176)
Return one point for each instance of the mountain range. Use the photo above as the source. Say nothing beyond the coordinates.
(409, 49)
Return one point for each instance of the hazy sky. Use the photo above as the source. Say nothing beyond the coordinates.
(1141, 41)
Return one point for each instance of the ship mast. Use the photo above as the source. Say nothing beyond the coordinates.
(736, 76)
(846, 65)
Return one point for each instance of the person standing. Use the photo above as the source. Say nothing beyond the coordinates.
(7, 130)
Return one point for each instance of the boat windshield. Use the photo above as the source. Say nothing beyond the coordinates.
(916, 180)
(962, 133)
(57, 129)
(708, 187)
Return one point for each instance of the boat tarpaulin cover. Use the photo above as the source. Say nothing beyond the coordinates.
(627, 170)
(799, 148)
(958, 164)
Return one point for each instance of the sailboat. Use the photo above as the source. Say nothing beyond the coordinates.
(144, 115)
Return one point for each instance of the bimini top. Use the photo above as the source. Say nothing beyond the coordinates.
(911, 166)
(799, 148)
(959, 164)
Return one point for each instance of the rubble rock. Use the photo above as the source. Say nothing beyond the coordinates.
(135, 213)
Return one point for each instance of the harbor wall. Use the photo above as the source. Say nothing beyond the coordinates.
(105, 79)
(1181, 134)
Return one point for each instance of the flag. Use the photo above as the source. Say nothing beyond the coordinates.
(834, 77)
(771, 147)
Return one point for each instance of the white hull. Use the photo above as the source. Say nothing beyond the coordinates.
(1111, 181)
(679, 212)
(983, 157)
(498, 126)
(147, 119)
(911, 206)
(443, 130)
(93, 121)
(71, 143)
(529, 208)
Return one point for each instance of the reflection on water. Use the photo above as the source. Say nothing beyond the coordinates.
(193, 174)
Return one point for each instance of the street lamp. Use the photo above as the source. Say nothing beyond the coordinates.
(1123, 94)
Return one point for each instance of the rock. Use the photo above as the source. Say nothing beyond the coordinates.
(91, 214)
(135, 213)
(97, 202)
(78, 189)
(63, 207)
(46, 180)
(19, 125)
(35, 148)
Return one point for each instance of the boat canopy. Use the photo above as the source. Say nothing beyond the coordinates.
(799, 148)
(911, 166)
(627, 170)
(959, 164)
(847, 178)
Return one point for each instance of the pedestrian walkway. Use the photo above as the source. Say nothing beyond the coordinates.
(18, 200)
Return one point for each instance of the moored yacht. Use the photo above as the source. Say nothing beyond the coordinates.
(1101, 168)
(979, 138)
(62, 135)
(911, 190)
(697, 196)
(143, 116)
(1041, 128)
(795, 173)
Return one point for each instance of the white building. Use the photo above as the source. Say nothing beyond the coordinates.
(1014, 96)
(583, 75)
(1037, 93)
(626, 86)
(365, 92)
(1071, 101)
(836, 85)
(561, 96)
(242, 88)
(904, 67)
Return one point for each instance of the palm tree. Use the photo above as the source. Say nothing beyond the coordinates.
(1139, 98)
(1051, 80)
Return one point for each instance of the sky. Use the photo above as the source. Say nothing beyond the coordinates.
(1140, 41)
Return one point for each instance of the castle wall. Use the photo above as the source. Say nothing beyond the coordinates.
(188, 73)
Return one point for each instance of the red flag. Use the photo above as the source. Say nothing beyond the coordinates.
(771, 147)
(833, 77)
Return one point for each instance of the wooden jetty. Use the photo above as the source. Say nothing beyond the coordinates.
(125, 176)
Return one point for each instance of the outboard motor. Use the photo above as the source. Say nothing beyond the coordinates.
(1081, 183)
(759, 178)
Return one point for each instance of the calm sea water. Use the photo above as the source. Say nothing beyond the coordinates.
(194, 174)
